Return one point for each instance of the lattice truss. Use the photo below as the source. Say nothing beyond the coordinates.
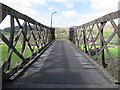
(35, 36)
(84, 33)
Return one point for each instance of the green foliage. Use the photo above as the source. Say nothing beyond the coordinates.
(61, 33)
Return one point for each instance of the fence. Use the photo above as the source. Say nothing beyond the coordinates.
(90, 38)
(32, 36)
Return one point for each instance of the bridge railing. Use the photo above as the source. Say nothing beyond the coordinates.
(30, 38)
(91, 38)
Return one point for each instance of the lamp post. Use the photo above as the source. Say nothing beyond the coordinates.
(51, 17)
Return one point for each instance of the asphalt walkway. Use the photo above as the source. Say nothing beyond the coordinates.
(61, 66)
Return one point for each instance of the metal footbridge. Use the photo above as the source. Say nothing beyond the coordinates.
(57, 63)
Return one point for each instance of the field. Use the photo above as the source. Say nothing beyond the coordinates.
(14, 58)
(113, 51)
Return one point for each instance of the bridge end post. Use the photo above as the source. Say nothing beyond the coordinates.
(52, 32)
(84, 39)
(71, 35)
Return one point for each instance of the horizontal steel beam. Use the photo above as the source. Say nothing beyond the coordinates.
(6, 10)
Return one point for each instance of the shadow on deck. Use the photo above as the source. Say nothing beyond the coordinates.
(62, 66)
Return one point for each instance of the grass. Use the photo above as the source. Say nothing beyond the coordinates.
(14, 58)
(113, 51)
(106, 33)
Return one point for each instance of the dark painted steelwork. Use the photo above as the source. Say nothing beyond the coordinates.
(40, 35)
(85, 39)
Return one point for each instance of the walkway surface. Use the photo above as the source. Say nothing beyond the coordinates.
(62, 66)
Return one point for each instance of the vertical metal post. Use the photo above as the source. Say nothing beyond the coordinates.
(84, 38)
(103, 54)
(11, 39)
(52, 34)
(49, 35)
(44, 35)
(78, 44)
(77, 37)
(71, 35)
(24, 42)
(118, 33)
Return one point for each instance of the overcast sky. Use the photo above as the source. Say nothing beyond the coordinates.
(69, 12)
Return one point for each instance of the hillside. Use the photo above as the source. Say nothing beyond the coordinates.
(61, 32)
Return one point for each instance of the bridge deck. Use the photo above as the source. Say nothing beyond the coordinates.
(64, 66)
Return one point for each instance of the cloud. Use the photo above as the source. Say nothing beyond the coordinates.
(57, 17)
(67, 17)
(24, 3)
(84, 18)
(25, 7)
(69, 13)
(69, 5)
(83, 1)
(108, 5)
(98, 8)
(61, 0)
(38, 2)
(51, 8)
